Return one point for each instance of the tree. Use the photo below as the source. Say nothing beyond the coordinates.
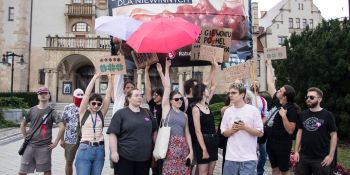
(321, 58)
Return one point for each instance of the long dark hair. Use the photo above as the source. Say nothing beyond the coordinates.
(198, 92)
(96, 97)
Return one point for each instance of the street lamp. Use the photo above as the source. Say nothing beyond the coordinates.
(5, 61)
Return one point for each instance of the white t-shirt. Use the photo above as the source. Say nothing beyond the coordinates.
(241, 146)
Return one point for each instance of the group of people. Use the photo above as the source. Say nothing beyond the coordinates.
(252, 129)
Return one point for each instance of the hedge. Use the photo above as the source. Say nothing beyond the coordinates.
(31, 98)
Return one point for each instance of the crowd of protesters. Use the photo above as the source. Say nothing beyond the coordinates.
(250, 130)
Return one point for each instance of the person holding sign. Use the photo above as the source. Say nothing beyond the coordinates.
(206, 147)
(91, 152)
(180, 154)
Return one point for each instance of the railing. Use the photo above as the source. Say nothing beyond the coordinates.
(80, 9)
(77, 43)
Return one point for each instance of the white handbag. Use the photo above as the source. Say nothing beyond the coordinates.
(162, 141)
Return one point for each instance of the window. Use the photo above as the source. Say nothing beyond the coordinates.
(11, 16)
(304, 23)
(41, 77)
(297, 21)
(300, 6)
(281, 40)
(81, 27)
(88, 1)
(198, 76)
(311, 23)
(290, 23)
(76, 1)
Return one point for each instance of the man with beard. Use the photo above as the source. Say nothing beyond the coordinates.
(317, 136)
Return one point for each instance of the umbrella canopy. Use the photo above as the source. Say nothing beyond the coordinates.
(163, 35)
(118, 26)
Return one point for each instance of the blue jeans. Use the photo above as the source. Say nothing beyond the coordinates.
(241, 168)
(262, 159)
(90, 159)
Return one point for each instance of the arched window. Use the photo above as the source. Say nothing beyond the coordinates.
(81, 27)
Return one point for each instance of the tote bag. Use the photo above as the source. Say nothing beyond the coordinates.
(162, 141)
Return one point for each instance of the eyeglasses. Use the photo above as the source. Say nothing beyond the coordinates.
(232, 93)
(177, 99)
(310, 97)
(96, 103)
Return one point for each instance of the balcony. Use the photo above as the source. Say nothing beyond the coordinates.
(74, 43)
(80, 10)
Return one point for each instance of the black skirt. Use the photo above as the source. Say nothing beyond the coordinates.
(211, 142)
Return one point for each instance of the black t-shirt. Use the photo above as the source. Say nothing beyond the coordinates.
(275, 128)
(156, 110)
(316, 127)
(134, 133)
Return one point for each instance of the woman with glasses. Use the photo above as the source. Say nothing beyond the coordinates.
(131, 134)
(179, 155)
(206, 147)
(91, 152)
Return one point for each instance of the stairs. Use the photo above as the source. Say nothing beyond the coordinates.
(60, 106)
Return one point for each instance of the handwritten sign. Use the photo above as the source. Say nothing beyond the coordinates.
(217, 37)
(111, 64)
(141, 59)
(240, 71)
(206, 53)
(276, 53)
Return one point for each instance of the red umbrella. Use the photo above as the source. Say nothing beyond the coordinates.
(163, 35)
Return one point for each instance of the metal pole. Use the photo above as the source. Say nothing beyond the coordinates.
(12, 70)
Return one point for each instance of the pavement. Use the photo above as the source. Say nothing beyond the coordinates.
(11, 140)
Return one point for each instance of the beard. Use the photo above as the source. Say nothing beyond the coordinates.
(311, 104)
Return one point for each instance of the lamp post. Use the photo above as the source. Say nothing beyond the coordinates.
(5, 61)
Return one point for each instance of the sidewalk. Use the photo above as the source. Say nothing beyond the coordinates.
(10, 160)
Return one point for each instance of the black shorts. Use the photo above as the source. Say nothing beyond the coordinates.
(128, 167)
(279, 153)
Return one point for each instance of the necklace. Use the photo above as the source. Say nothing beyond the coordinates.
(204, 106)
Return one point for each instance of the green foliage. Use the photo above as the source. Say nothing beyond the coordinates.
(5, 124)
(216, 110)
(320, 58)
(217, 98)
(12, 103)
(31, 98)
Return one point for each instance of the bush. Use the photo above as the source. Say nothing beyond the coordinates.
(216, 110)
(217, 98)
(31, 98)
(12, 102)
(5, 124)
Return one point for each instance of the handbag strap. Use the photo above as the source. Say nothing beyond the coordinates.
(270, 116)
(167, 117)
(42, 121)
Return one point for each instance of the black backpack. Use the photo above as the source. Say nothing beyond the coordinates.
(83, 120)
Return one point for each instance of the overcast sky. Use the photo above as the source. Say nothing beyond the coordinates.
(329, 9)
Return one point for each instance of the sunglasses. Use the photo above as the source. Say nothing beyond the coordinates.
(232, 93)
(43, 93)
(177, 99)
(310, 97)
(96, 103)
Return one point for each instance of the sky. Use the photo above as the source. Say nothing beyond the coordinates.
(329, 9)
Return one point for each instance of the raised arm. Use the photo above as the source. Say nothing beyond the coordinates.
(271, 87)
(213, 82)
(85, 100)
(107, 99)
(148, 87)
(166, 84)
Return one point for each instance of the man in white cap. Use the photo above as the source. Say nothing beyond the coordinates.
(70, 119)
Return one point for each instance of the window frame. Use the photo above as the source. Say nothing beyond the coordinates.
(297, 21)
(11, 14)
(77, 28)
(304, 23)
(311, 23)
(291, 24)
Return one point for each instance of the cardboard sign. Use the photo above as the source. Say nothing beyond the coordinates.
(276, 53)
(206, 53)
(141, 59)
(217, 37)
(240, 71)
(111, 65)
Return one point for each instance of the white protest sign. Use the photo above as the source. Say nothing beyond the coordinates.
(275, 53)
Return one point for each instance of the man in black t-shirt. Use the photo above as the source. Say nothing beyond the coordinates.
(280, 124)
(317, 136)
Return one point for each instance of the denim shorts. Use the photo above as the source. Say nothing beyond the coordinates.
(241, 168)
(90, 159)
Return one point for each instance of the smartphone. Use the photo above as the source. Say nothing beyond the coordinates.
(188, 162)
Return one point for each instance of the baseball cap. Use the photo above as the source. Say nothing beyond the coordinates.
(78, 93)
(42, 90)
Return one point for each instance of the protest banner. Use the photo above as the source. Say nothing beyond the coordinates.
(111, 65)
(141, 59)
(206, 53)
(276, 53)
(216, 37)
(240, 71)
